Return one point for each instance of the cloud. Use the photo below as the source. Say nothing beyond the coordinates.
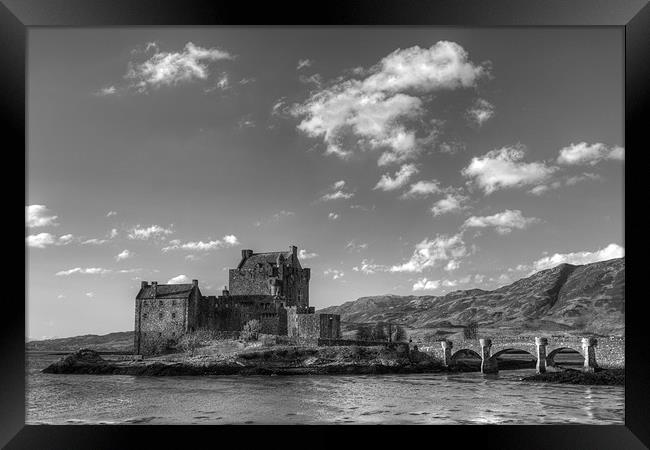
(302, 63)
(568, 181)
(39, 216)
(304, 254)
(480, 112)
(90, 294)
(388, 183)
(586, 154)
(229, 240)
(314, 79)
(335, 274)
(585, 257)
(503, 222)
(94, 241)
(124, 254)
(106, 91)
(452, 265)
(43, 240)
(453, 202)
(429, 252)
(422, 189)
(377, 112)
(333, 216)
(111, 213)
(504, 168)
(113, 234)
(352, 246)
(179, 279)
(245, 122)
(337, 191)
(84, 271)
(275, 218)
(151, 232)
(368, 267)
(426, 285)
(172, 68)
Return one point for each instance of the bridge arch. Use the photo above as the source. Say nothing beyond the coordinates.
(465, 353)
(550, 358)
(512, 351)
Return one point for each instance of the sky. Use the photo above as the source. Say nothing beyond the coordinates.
(408, 161)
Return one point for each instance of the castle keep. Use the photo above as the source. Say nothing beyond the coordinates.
(272, 288)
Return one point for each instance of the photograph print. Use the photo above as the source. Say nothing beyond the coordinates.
(327, 225)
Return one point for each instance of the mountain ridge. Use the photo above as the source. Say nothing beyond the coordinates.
(589, 297)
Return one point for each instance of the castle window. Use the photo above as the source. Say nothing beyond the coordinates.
(173, 315)
(159, 333)
(173, 302)
(160, 315)
(144, 316)
(160, 303)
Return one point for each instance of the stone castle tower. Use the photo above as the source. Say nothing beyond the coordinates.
(278, 274)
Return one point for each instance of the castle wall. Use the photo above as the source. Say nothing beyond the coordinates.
(248, 282)
(160, 321)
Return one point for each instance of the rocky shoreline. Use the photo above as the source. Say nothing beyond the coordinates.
(606, 377)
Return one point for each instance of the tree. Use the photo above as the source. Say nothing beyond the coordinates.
(399, 334)
(363, 333)
(251, 330)
(470, 331)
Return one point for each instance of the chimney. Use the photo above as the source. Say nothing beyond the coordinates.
(246, 254)
(154, 284)
(195, 283)
(293, 250)
(225, 292)
(143, 284)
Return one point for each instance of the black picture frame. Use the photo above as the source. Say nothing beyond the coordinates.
(17, 16)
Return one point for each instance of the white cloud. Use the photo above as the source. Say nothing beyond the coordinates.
(94, 241)
(151, 232)
(374, 112)
(113, 234)
(111, 213)
(84, 271)
(334, 273)
(43, 240)
(124, 254)
(304, 254)
(179, 279)
(422, 189)
(227, 241)
(504, 168)
(90, 294)
(568, 181)
(429, 252)
(60, 296)
(172, 68)
(426, 285)
(368, 267)
(302, 63)
(586, 257)
(583, 153)
(452, 265)
(388, 183)
(503, 222)
(480, 112)
(337, 191)
(107, 90)
(39, 216)
(245, 122)
(352, 246)
(453, 202)
(332, 216)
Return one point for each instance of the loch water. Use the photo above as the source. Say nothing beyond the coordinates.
(464, 398)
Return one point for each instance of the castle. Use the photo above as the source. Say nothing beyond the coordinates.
(272, 288)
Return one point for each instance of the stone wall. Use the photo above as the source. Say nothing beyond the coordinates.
(248, 282)
(330, 326)
(161, 321)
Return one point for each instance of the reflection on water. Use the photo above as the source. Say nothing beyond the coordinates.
(469, 398)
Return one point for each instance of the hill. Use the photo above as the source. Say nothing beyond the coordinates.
(121, 341)
(567, 298)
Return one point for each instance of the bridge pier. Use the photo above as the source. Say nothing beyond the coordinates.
(446, 347)
(541, 344)
(488, 365)
(589, 350)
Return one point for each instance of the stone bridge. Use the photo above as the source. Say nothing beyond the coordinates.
(611, 351)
